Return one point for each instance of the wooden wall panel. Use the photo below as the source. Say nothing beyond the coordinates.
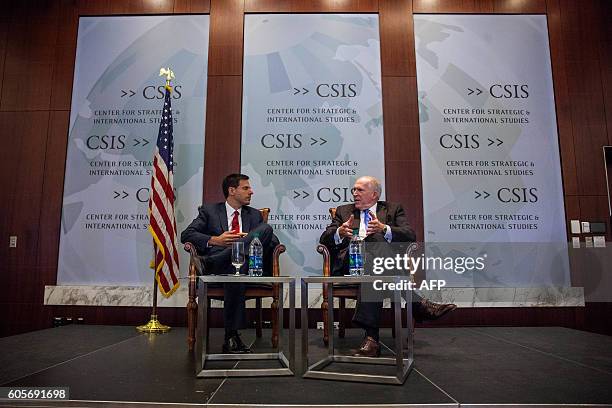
(520, 6)
(572, 210)
(65, 53)
(52, 192)
(223, 127)
(30, 55)
(4, 22)
(593, 208)
(444, 6)
(24, 317)
(310, 6)
(267, 6)
(589, 160)
(403, 184)
(480, 6)
(562, 99)
(581, 27)
(95, 7)
(397, 38)
(226, 29)
(37, 46)
(401, 118)
(191, 6)
(605, 63)
(21, 175)
(441, 6)
(334, 6)
(141, 6)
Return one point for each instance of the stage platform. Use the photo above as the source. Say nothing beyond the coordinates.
(488, 366)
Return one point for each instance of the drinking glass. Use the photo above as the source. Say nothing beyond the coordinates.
(237, 255)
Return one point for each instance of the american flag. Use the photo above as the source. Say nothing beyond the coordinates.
(162, 223)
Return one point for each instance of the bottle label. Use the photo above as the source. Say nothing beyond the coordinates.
(255, 262)
(355, 261)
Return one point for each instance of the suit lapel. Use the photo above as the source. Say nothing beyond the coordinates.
(381, 212)
(246, 220)
(357, 215)
(222, 216)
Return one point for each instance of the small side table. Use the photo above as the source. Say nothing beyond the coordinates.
(403, 365)
(202, 355)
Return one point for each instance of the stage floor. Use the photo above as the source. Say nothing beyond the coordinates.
(453, 366)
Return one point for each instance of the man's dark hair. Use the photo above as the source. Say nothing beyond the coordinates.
(232, 180)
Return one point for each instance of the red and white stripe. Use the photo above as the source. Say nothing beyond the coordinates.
(163, 226)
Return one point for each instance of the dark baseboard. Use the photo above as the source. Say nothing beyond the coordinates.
(594, 317)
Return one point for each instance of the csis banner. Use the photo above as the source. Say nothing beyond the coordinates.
(117, 101)
(489, 147)
(312, 121)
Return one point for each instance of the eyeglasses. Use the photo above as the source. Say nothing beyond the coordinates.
(357, 190)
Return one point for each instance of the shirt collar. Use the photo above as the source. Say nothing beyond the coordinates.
(372, 209)
(230, 210)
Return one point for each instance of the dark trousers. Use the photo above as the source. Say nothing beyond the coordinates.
(234, 311)
(367, 314)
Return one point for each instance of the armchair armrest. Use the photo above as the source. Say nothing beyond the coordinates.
(192, 307)
(322, 249)
(195, 263)
(278, 250)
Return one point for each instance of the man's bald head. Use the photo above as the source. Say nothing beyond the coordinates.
(366, 191)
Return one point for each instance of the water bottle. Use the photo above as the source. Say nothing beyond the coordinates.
(356, 254)
(255, 257)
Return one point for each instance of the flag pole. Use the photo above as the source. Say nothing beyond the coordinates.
(154, 325)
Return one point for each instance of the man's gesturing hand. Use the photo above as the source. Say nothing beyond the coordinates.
(345, 230)
(225, 239)
(375, 225)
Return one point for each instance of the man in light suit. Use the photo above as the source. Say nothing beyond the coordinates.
(377, 221)
(212, 233)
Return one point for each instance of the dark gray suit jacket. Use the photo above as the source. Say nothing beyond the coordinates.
(212, 221)
(391, 214)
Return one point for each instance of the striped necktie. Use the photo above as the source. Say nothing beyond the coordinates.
(366, 218)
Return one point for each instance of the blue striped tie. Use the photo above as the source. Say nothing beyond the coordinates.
(366, 218)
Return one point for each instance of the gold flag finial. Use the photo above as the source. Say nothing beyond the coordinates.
(168, 73)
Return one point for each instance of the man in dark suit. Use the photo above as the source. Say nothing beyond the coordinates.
(376, 221)
(212, 233)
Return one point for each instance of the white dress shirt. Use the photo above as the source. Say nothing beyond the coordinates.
(230, 216)
(362, 227)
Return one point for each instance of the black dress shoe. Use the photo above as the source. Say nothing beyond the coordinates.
(369, 348)
(431, 311)
(234, 345)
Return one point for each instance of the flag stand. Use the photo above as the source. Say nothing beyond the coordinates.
(154, 325)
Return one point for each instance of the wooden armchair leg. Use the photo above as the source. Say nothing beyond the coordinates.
(275, 322)
(341, 317)
(192, 315)
(393, 324)
(208, 325)
(324, 310)
(258, 317)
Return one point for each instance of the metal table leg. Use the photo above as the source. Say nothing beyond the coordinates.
(203, 355)
(403, 365)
